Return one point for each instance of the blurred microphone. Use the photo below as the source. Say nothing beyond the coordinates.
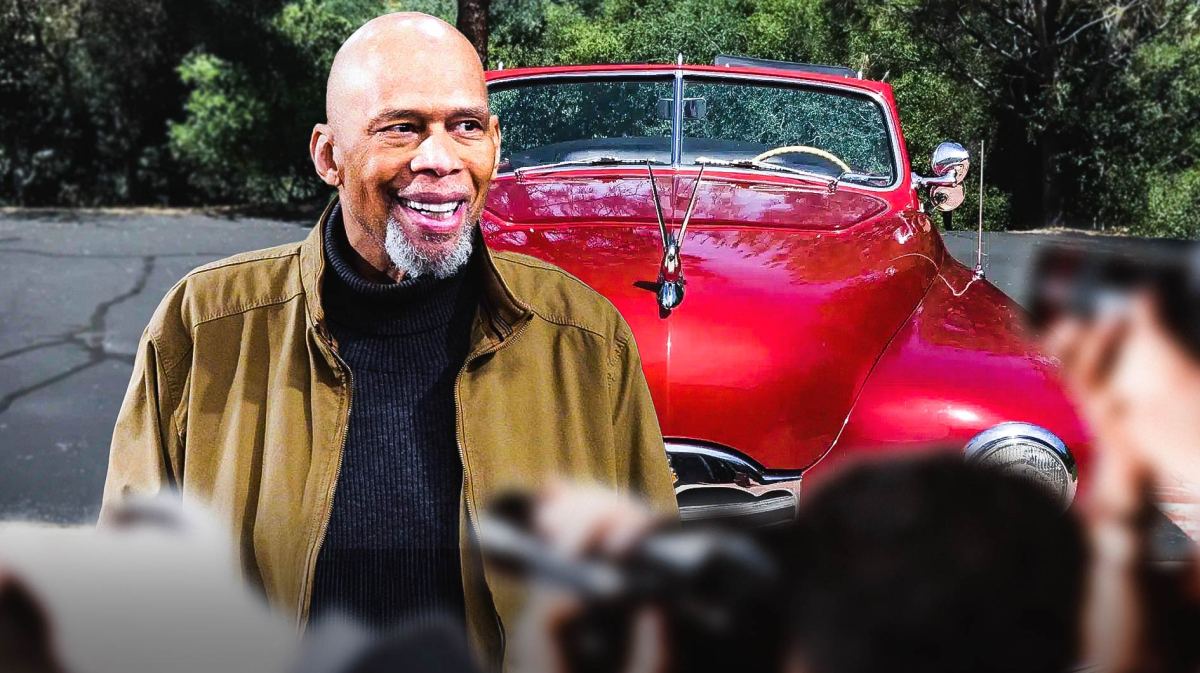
(714, 587)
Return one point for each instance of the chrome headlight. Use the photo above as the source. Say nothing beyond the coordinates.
(1027, 452)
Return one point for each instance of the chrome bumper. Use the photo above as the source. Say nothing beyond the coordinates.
(717, 483)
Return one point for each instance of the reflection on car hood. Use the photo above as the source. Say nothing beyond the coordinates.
(786, 310)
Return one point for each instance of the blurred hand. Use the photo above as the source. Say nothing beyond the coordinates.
(1138, 388)
(582, 521)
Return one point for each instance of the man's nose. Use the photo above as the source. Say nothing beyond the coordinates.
(437, 154)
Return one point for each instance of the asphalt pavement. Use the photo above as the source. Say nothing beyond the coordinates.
(76, 290)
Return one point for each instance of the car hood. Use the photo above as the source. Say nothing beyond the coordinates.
(787, 306)
(582, 198)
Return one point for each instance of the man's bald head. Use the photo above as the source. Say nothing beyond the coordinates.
(409, 143)
(387, 48)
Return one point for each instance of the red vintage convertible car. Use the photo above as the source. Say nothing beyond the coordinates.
(758, 225)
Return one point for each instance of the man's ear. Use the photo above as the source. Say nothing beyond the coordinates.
(321, 149)
(494, 123)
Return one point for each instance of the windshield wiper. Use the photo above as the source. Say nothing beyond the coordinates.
(594, 161)
(868, 178)
(831, 182)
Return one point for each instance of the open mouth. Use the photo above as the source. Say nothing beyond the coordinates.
(434, 215)
(438, 211)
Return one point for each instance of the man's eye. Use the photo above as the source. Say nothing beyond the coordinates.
(399, 128)
(470, 126)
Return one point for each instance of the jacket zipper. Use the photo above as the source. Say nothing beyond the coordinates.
(306, 594)
(462, 453)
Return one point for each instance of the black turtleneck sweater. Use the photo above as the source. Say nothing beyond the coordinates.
(391, 549)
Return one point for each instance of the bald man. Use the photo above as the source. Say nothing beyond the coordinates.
(348, 403)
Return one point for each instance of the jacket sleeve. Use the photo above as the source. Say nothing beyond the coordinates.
(642, 466)
(146, 455)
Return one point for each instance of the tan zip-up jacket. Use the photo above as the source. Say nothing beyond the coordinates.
(240, 401)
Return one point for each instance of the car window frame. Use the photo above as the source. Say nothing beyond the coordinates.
(681, 74)
(881, 107)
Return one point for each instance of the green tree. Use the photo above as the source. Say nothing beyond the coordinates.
(875, 37)
(1090, 108)
(255, 94)
(1042, 64)
(1142, 162)
(83, 107)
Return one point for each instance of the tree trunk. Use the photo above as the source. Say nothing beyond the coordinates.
(473, 22)
(1052, 206)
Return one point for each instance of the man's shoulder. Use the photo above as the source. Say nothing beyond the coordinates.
(247, 262)
(558, 297)
(233, 285)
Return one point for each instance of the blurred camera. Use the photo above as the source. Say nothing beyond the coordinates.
(715, 588)
(1089, 282)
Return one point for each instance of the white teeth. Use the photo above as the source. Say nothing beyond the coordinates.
(447, 207)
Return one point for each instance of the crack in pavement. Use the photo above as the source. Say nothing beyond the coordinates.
(33, 347)
(7, 400)
(90, 339)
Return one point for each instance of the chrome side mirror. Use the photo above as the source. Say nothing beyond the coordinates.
(951, 162)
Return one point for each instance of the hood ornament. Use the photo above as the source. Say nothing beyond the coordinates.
(670, 271)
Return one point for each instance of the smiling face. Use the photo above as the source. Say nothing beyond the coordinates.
(410, 144)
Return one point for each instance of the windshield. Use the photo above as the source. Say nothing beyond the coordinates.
(820, 130)
(809, 128)
(567, 121)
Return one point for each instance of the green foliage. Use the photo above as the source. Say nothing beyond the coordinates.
(1143, 166)
(221, 114)
(1172, 206)
(143, 101)
(82, 106)
(243, 136)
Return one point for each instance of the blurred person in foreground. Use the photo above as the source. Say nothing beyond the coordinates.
(156, 591)
(925, 564)
(345, 403)
(1138, 386)
(26, 640)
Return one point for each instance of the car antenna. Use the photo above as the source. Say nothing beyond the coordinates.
(979, 240)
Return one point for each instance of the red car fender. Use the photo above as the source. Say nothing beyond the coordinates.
(962, 363)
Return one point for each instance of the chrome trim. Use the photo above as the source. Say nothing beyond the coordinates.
(766, 505)
(950, 156)
(951, 162)
(938, 181)
(1029, 434)
(899, 169)
(770, 490)
(677, 115)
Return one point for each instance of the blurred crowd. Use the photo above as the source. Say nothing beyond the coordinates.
(928, 563)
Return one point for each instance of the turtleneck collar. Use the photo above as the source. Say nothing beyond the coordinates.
(410, 306)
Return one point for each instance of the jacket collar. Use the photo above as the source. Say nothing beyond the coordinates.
(499, 312)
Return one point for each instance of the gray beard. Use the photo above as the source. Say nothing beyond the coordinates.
(414, 263)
